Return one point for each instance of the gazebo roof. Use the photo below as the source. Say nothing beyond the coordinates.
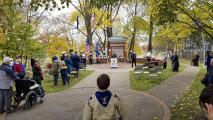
(117, 39)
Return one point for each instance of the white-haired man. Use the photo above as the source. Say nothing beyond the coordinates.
(6, 81)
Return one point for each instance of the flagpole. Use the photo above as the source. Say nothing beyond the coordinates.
(78, 42)
(78, 32)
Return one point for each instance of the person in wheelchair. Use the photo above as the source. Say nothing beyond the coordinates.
(27, 90)
(19, 68)
(7, 75)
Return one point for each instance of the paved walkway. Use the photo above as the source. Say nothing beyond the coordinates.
(68, 105)
(171, 90)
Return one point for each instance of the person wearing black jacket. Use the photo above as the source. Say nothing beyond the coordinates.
(133, 57)
(76, 62)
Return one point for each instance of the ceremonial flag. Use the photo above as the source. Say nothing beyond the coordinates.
(96, 49)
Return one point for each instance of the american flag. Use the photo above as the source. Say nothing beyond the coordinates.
(96, 49)
(88, 46)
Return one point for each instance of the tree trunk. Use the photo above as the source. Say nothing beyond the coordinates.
(105, 40)
(132, 42)
(150, 34)
(88, 25)
(26, 59)
(109, 32)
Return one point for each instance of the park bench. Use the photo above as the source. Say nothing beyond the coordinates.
(74, 73)
(137, 74)
(146, 70)
(153, 73)
(138, 71)
(159, 69)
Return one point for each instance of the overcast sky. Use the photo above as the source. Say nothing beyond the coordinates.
(56, 12)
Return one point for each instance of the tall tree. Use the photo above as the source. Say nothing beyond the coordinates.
(136, 24)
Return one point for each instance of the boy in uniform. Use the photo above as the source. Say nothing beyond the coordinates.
(103, 105)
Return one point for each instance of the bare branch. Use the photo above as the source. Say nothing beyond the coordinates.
(119, 5)
(69, 24)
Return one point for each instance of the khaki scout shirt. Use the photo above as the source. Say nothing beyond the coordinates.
(95, 111)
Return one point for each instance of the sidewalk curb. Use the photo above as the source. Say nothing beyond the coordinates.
(166, 110)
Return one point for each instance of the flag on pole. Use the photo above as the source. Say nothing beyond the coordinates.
(87, 46)
(96, 49)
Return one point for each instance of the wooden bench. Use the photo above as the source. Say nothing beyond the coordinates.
(75, 73)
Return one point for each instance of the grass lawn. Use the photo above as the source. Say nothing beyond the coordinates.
(188, 107)
(47, 83)
(143, 83)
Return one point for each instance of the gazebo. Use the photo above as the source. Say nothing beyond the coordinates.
(117, 44)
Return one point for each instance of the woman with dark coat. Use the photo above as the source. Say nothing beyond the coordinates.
(175, 62)
(32, 61)
(210, 73)
(37, 73)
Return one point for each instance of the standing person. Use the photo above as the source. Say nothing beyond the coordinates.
(175, 63)
(103, 105)
(208, 60)
(7, 75)
(164, 61)
(172, 60)
(90, 59)
(55, 69)
(19, 68)
(64, 74)
(114, 55)
(63, 56)
(68, 63)
(32, 62)
(98, 59)
(133, 57)
(76, 62)
(37, 73)
(38, 76)
(197, 57)
(210, 73)
(83, 58)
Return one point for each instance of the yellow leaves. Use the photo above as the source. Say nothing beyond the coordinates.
(100, 16)
(138, 49)
(140, 23)
(2, 37)
(57, 45)
(73, 16)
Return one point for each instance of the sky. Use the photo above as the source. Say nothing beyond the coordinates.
(56, 12)
(67, 11)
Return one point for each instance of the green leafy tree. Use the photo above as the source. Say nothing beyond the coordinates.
(17, 35)
(136, 24)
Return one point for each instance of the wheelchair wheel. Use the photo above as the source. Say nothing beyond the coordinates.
(30, 99)
(15, 102)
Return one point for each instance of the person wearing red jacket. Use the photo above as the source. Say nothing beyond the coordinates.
(19, 68)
